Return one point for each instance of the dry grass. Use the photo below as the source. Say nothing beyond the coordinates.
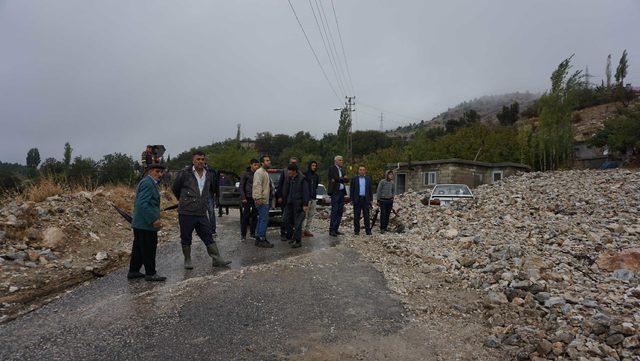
(122, 196)
(44, 188)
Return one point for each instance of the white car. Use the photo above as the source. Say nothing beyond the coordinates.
(443, 194)
(322, 198)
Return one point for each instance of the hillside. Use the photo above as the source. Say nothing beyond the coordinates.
(487, 107)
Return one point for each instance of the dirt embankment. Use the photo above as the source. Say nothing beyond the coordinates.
(46, 247)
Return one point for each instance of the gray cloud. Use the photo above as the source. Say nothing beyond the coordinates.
(115, 75)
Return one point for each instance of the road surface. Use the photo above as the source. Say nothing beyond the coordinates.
(318, 302)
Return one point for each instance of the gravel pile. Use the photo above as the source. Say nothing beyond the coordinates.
(554, 256)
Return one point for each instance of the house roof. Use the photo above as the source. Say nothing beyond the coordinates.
(461, 161)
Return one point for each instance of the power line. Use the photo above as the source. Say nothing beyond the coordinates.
(324, 43)
(313, 51)
(344, 54)
(389, 111)
(323, 17)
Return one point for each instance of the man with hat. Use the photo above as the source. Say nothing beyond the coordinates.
(146, 224)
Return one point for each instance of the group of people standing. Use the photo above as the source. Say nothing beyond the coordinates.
(196, 186)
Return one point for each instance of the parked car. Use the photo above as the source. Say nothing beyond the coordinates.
(444, 194)
(230, 195)
(275, 212)
(322, 198)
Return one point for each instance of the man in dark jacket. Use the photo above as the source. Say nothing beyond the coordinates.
(194, 187)
(337, 190)
(248, 209)
(295, 193)
(145, 224)
(361, 198)
(313, 179)
(284, 178)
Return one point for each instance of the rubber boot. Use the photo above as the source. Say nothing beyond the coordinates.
(218, 261)
(186, 251)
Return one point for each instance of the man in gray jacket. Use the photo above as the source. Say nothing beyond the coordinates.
(193, 187)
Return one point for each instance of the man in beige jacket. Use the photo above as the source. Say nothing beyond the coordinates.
(261, 192)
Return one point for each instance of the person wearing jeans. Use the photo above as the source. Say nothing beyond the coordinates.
(261, 191)
(385, 193)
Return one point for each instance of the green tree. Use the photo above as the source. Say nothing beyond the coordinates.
(470, 116)
(621, 70)
(33, 158)
(509, 115)
(368, 141)
(621, 134)
(83, 171)
(52, 167)
(116, 168)
(344, 127)
(608, 71)
(554, 137)
(231, 158)
(67, 154)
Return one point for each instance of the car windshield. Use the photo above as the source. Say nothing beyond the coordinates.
(451, 190)
(321, 191)
(274, 177)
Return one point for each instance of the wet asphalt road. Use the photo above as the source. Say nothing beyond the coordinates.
(271, 304)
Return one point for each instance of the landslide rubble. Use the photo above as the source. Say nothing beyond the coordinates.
(554, 257)
(47, 247)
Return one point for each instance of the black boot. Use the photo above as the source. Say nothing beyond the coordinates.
(186, 251)
(218, 261)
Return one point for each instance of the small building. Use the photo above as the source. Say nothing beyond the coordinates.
(424, 175)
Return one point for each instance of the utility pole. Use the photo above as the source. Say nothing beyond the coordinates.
(350, 103)
(381, 122)
(349, 108)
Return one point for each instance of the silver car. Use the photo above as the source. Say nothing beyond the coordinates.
(443, 194)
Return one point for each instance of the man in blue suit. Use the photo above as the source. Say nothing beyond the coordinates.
(146, 224)
(361, 198)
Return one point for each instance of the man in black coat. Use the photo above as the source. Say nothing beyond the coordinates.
(337, 190)
(284, 178)
(194, 187)
(361, 198)
(248, 209)
(295, 194)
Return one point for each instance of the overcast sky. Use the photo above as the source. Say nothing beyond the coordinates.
(114, 75)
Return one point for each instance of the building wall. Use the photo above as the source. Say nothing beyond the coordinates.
(452, 173)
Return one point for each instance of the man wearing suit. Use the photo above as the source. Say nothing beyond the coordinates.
(361, 198)
(337, 191)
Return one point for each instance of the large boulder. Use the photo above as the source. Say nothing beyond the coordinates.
(53, 237)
